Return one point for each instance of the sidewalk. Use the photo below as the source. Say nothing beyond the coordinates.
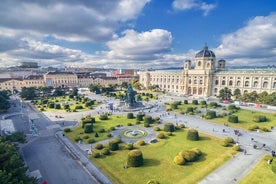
(77, 154)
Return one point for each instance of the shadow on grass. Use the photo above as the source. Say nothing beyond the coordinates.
(202, 138)
(150, 162)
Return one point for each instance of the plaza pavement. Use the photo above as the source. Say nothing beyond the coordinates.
(231, 172)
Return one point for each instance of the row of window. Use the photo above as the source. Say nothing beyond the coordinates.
(164, 80)
(246, 83)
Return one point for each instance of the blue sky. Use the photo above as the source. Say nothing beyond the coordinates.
(137, 34)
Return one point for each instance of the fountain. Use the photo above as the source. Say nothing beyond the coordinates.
(134, 133)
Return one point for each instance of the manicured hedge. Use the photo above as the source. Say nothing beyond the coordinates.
(135, 158)
(259, 118)
(130, 115)
(192, 135)
(169, 127)
(233, 119)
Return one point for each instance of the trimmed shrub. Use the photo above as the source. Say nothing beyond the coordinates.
(88, 128)
(135, 158)
(66, 106)
(67, 130)
(57, 106)
(148, 119)
(102, 130)
(203, 103)
(90, 140)
(129, 147)
(137, 122)
(96, 155)
(233, 119)
(197, 151)
(139, 117)
(96, 134)
(195, 102)
(161, 135)
(185, 102)
(129, 124)
(85, 136)
(213, 104)
(156, 129)
(113, 145)
(78, 107)
(109, 135)
(140, 143)
(98, 146)
(174, 105)
(179, 160)
(169, 127)
(106, 151)
(189, 109)
(130, 115)
(51, 105)
(236, 148)
(192, 135)
(211, 114)
(227, 141)
(103, 117)
(259, 118)
(117, 140)
(189, 156)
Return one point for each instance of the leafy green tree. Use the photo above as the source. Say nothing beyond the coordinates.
(237, 93)
(225, 94)
(4, 103)
(95, 88)
(28, 93)
(75, 91)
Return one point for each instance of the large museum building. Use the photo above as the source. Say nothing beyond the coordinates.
(206, 77)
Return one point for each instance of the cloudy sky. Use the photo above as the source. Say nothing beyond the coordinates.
(136, 34)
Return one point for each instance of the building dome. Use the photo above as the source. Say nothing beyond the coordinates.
(205, 53)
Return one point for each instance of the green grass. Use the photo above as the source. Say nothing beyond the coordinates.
(158, 161)
(113, 121)
(260, 174)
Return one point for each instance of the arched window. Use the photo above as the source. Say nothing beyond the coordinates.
(215, 90)
(208, 65)
(194, 90)
(238, 83)
(195, 81)
(189, 90)
(255, 84)
(265, 85)
(223, 82)
(199, 63)
(246, 84)
(190, 81)
(230, 83)
(200, 91)
(216, 82)
(274, 85)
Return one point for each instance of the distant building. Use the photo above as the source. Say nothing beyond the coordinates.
(207, 77)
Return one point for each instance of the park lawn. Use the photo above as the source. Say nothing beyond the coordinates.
(65, 100)
(260, 174)
(112, 121)
(246, 119)
(183, 107)
(158, 161)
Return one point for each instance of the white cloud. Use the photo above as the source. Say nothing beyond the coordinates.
(193, 4)
(253, 44)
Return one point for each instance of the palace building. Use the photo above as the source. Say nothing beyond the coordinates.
(206, 77)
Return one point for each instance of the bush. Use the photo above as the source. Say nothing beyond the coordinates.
(227, 141)
(109, 135)
(156, 129)
(57, 106)
(88, 128)
(96, 134)
(195, 102)
(66, 106)
(174, 105)
(236, 148)
(135, 158)
(106, 151)
(146, 125)
(203, 103)
(91, 140)
(103, 117)
(140, 143)
(130, 115)
(169, 134)
(264, 129)
(98, 146)
(85, 136)
(78, 107)
(148, 119)
(211, 114)
(51, 105)
(129, 146)
(179, 160)
(137, 122)
(259, 118)
(161, 135)
(96, 155)
(189, 109)
(185, 102)
(189, 156)
(233, 119)
(232, 108)
(113, 145)
(139, 117)
(169, 127)
(192, 135)
(213, 104)
(67, 130)
(129, 124)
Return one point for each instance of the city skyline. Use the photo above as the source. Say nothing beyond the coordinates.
(138, 34)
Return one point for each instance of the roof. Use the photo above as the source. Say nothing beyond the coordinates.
(205, 52)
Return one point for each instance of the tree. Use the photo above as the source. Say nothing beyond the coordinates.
(95, 88)
(124, 85)
(75, 91)
(225, 94)
(28, 93)
(4, 103)
(237, 93)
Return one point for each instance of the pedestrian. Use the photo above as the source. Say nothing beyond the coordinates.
(245, 152)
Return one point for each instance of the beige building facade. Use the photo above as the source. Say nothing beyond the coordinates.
(207, 77)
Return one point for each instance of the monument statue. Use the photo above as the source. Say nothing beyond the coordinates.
(130, 96)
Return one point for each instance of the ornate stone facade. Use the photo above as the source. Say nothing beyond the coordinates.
(207, 77)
